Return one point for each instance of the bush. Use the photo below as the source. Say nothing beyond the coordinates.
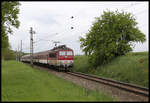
(8, 54)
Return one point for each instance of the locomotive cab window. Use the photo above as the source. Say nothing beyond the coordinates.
(61, 53)
(52, 55)
(69, 52)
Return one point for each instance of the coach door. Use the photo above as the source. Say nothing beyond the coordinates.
(52, 58)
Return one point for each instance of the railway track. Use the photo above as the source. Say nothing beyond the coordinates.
(137, 90)
(123, 86)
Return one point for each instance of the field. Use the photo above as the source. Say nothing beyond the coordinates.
(23, 83)
(130, 68)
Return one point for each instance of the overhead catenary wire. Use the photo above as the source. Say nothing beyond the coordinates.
(73, 16)
(131, 5)
(57, 34)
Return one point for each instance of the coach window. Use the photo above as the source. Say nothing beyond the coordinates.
(69, 52)
(52, 55)
(61, 53)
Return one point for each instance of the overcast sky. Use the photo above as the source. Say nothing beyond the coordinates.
(52, 22)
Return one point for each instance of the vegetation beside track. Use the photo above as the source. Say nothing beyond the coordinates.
(130, 68)
(23, 83)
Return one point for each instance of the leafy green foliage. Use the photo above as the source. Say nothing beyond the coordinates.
(10, 10)
(9, 19)
(111, 35)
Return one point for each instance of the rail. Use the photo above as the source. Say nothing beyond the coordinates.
(125, 86)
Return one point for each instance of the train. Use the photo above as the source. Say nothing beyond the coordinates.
(60, 57)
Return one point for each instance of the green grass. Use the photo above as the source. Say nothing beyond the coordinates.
(81, 64)
(131, 68)
(23, 83)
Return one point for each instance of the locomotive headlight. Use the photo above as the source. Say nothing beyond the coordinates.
(71, 62)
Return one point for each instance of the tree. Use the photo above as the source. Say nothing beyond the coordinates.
(111, 35)
(9, 19)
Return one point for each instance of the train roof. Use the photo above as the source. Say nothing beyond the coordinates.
(61, 47)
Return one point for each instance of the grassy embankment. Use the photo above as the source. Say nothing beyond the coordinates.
(131, 68)
(23, 83)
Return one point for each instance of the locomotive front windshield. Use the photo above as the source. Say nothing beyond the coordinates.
(69, 52)
(62, 53)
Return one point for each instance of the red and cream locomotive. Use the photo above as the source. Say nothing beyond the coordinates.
(61, 57)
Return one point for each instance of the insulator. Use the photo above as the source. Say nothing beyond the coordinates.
(72, 17)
